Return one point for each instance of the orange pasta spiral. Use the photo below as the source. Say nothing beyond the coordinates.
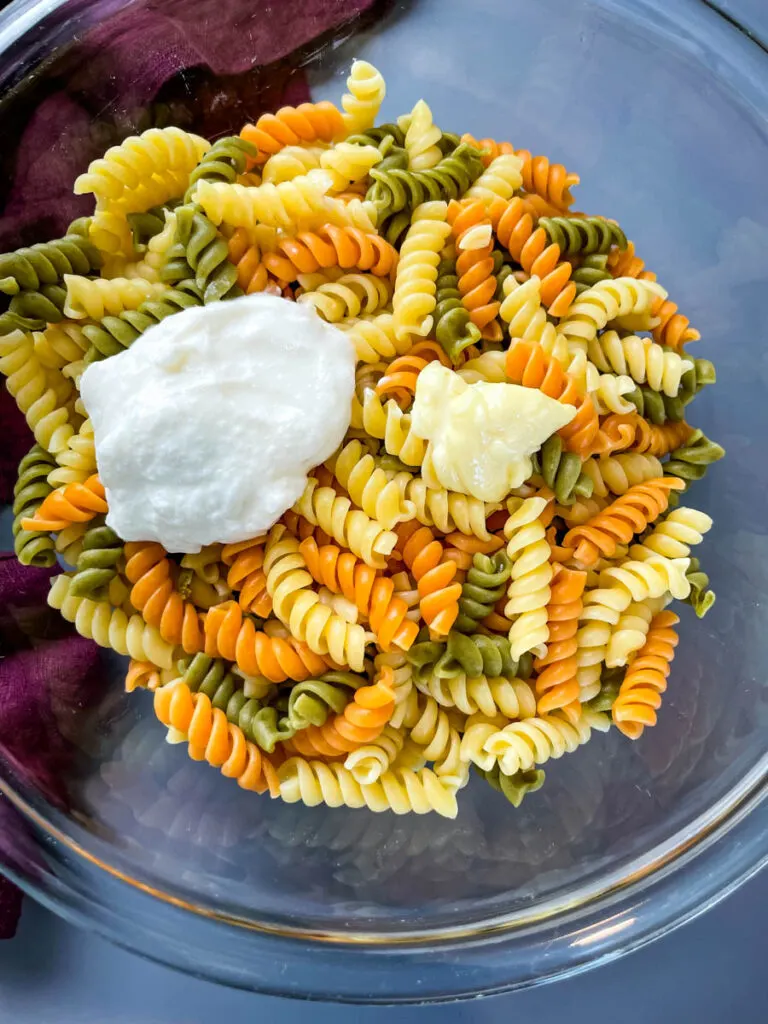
(331, 246)
(646, 678)
(155, 596)
(214, 739)
(246, 574)
(551, 182)
(674, 329)
(624, 517)
(252, 275)
(399, 382)
(424, 556)
(361, 721)
(374, 595)
(290, 126)
(460, 548)
(556, 684)
(73, 503)
(630, 432)
(626, 263)
(475, 266)
(229, 635)
(529, 365)
(530, 246)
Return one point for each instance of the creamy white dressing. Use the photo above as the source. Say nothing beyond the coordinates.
(206, 426)
(481, 436)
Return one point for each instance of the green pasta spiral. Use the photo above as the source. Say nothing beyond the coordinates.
(584, 235)
(97, 562)
(212, 676)
(145, 226)
(475, 655)
(384, 136)
(30, 489)
(223, 162)
(610, 684)
(514, 787)
(33, 276)
(10, 322)
(453, 328)
(562, 472)
(484, 586)
(701, 598)
(701, 374)
(207, 254)
(590, 271)
(397, 189)
(691, 460)
(655, 406)
(115, 333)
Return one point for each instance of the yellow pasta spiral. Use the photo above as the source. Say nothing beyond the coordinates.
(380, 494)
(39, 393)
(346, 163)
(366, 92)
(399, 790)
(674, 536)
(363, 536)
(97, 297)
(514, 698)
(348, 296)
(77, 460)
(60, 345)
(529, 591)
(110, 627)
(615, 474)
(605, 301)
(291, 162)
(368, 762)
(374, 337)
(421, 138)
(298, 605)
(500, 180)
(642, 359)
(415, 283)
(391, 425)
(449, 510)
(520, 746)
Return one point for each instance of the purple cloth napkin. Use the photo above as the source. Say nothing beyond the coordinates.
(188, 62)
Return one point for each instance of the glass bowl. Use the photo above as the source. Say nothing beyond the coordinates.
(662, 109)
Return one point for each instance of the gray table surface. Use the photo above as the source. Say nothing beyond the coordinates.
(710, 971)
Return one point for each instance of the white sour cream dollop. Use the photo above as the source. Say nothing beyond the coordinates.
(206, 426)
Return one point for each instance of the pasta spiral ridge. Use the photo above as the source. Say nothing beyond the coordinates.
(374, 596)
(73, 503)
(97, 564)
(292, 126)
(246, 575)
(500, 179)
(29, 491)
(641, 359)
(98, 297)
(627, 515)
(395, 189)
(448, 510)
(529, 592)
(116, 333)
(207, 254)
(349, 296)
(365, 94)
(439, 595)
(332, 246)
(475, 263)
(228, 634)
(398, 790)
(520, 746)
(646, 678)
(110, 627)
(690, 460)
(454, 329)
(583, 235)
(478, 655)
(530, 366)
(562, 472)
(31, 268)
(513, 788)
(361, 721)
(35, 390)
(380, 494)
(593, 309)
(556, 684)
(213, 739)
(414, 299)
(353, 529)
(388, 422)
(298, 605)
(615, 474)
(675, 535)
(530, 247)
(154, 594)
(224, 161)
(484, 586)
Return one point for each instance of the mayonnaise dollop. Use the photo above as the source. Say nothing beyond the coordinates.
(206, 426)
(481, 436)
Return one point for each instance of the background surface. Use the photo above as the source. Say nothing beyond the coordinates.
(711, 971)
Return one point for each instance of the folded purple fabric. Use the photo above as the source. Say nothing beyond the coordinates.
(191, 62)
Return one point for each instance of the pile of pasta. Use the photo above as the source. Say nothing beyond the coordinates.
(387, 634)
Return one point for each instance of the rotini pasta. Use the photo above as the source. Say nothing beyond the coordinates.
(414, 300)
